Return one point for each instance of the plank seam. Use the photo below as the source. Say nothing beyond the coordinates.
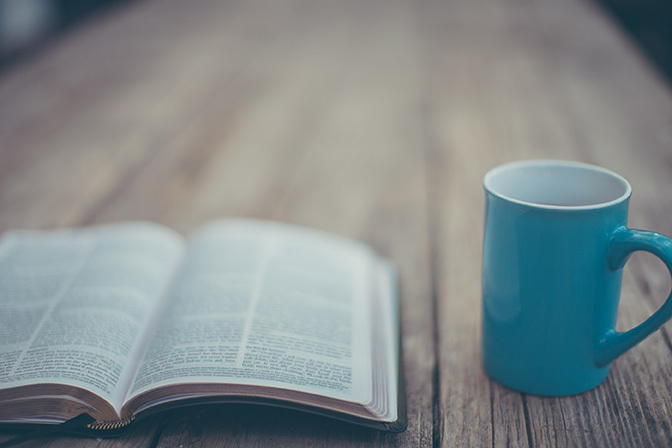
(432, 234)
(492, 412)
(526, 413)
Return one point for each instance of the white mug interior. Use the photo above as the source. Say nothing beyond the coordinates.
(557, 184)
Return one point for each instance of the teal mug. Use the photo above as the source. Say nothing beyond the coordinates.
(555, 243)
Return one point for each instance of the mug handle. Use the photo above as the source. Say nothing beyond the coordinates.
(624, 242)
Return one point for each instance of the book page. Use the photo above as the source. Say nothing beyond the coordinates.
(73, 304)
(266, 304)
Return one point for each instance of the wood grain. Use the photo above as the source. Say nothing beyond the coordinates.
(375, 120)
(546, 93)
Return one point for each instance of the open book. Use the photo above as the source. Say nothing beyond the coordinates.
(125, 320)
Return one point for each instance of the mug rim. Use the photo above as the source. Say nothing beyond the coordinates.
(556, 163)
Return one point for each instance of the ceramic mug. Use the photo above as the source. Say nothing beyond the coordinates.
(555, 243)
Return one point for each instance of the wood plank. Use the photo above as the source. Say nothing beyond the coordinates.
(622, 106)
(239, 154)
(245, 140)
(360, 177)
(152, 93)
(516, 83)
(467, 132)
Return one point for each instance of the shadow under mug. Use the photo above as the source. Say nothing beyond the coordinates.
(555, 243)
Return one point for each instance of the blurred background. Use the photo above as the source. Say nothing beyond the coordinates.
(27, 25)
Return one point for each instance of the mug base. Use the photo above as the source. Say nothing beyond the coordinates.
(551, 387)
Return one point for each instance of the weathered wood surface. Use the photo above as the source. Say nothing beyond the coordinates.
(372, 119)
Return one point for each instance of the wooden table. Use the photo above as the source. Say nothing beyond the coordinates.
(374, 119)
